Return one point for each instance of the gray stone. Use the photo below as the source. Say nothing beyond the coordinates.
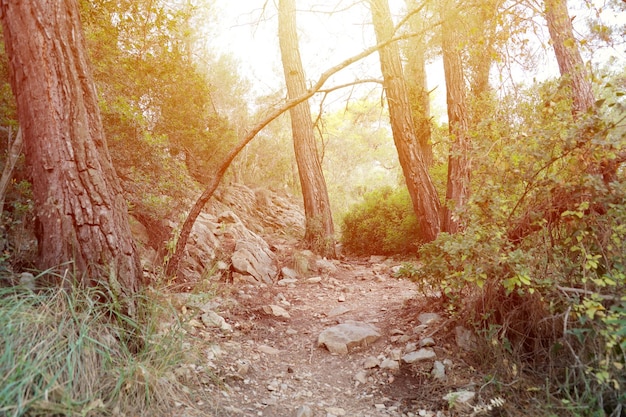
(253, 257)
(439, 371)
(428, 318)
(338, 339)
(465, 339)
(336, 411)
(377, 259)
(287, 281)
(339, 310)
(427, 342)
(268, 350)
(289, 273)
(325, 266)
(27, 280)
(212, 319)
(420, 355)
(276, 311)
(459, 398)
(314, 280)
(410, 347)
(371, 362)
(304, 411)
(361, 376)
(390, 364)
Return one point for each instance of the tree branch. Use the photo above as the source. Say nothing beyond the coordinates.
(216, 177)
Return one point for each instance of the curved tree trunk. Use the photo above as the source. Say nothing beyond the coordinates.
(571, 65)
(319, 234)
(79, 205)
(421, 189)
(458, 190)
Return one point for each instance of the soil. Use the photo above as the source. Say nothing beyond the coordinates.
(272, 366)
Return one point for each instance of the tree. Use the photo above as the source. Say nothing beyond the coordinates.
(319, 233)
(81, 213)
(457, 191)
(416, 82)
(418, 181)
(571, 65)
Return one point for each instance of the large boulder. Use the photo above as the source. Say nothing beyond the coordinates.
(340, 338)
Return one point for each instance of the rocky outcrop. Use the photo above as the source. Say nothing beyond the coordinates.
(226, 236)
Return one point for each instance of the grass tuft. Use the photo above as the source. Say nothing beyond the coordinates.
(65, 352)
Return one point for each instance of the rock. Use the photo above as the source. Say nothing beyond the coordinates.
(268, 350)
(288, 273)
(27, 280)
(465, 339)
(212, 319)
(439, 371)
(276, 311)
(286, 282)
(396, 269)
(459, 399)
(371, 362)
(377, 259)
(253, 257)
(339, 310)
(338, 339)
(325, 266)
(314, 280)
(390, 364)
(361, 376)
(420, 355)
(396, 354)
(428, 318)
(410, 347)
(304, 411)
(427, 342)
(336, 411)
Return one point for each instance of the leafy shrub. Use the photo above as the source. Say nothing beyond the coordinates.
(540, 271)
(383, 224)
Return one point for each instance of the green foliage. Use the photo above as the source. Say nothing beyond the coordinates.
(383, 224)
(540, 270)
(66, 352)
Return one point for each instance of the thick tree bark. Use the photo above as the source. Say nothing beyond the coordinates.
(417, 86)
(571, 65)
(458, 186)
(80, 209)
(319, 233)
(421, 189)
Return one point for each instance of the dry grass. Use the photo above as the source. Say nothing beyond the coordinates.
(64, 352)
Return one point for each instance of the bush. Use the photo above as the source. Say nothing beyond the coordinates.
(540, 271)
(383, 224)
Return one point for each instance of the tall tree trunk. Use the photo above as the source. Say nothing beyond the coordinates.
(570, 62)
(79, 205)
(421, 189)
(458, 191)
(416, 83)
(319, 233)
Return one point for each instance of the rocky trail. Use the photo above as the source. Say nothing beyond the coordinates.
(272, 353)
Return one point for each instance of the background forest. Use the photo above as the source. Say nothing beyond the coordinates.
(506, 200)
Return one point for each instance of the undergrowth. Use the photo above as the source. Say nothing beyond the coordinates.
(540, 270)
(66, 352)
(382, 224)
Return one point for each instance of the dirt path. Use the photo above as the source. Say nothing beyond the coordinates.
(272, 366)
